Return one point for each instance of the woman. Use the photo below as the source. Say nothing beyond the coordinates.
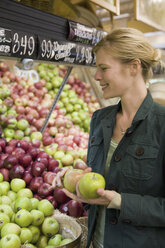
(127, 146)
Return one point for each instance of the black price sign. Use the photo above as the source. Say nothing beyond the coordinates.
(5, 41)
(84, 34)
(67, 52)
(24, 45)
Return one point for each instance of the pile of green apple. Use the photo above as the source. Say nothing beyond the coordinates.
(26, 221)
(73, 106)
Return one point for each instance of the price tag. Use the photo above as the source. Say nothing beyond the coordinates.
(84, 34)
(5, 41)
(24, 45)
(67, 52)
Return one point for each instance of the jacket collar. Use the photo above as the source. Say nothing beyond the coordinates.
(109, 119)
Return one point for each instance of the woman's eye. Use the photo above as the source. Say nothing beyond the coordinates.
(103, 68)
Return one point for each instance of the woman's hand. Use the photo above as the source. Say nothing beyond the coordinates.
(108, 198)
(58, 180)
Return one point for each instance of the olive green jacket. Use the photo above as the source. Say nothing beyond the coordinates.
(136, 171)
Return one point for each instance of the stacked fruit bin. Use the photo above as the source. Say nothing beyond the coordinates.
(35, 157)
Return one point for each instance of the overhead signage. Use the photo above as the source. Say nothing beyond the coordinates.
(67, 52)
(5, 42)
(24, 45)
(84, 34)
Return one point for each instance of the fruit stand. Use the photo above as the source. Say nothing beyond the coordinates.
(47, 98)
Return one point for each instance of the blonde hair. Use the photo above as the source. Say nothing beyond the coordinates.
(128, 44)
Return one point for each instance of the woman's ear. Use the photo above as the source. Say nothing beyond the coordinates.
(135, 66)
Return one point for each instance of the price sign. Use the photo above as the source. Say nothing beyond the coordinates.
(5, 41)
(24, 45)
(67, 52)
(84, 34)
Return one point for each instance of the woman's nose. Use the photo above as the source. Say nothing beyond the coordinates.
(97, 76)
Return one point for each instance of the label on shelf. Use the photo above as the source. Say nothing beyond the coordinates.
(83, 34)
(5, 42)
(67, 52)
(24, 45)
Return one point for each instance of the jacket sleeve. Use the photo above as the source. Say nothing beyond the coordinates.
(143, 210)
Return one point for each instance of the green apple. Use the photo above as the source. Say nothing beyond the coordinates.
(9, 133)
(1, 177)
(25, 235)
(48, 246)
(22, 124)
(35, 233)
(10, 240)
(12, 123)
(89, 183)
(66, 241)
(58, 155)
(50, 226)
(6, 209)
(34, 202)
(17, 184)
(28, 245)
(46, 207)
(22, 202)
(55, 240)
(67, 160)
(23, 218)
(12, 195)
(51, 149)
(42, 242)
(10, 228)
(4, 187)
(36, 135)
(5, 200)
(4, 219)
(25, 192)
(38, 217)
(19, 134)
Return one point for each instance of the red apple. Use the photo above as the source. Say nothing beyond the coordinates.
(17, 171)
(45, 190)
(64, 208)
(60, 196)
(35, 183)
(27, 177)
(10, 161)
(52, 164)
(37, 169)
(75, 208)
(25, 160)
(5, 173)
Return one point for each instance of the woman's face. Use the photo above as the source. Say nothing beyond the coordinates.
(114, 77)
